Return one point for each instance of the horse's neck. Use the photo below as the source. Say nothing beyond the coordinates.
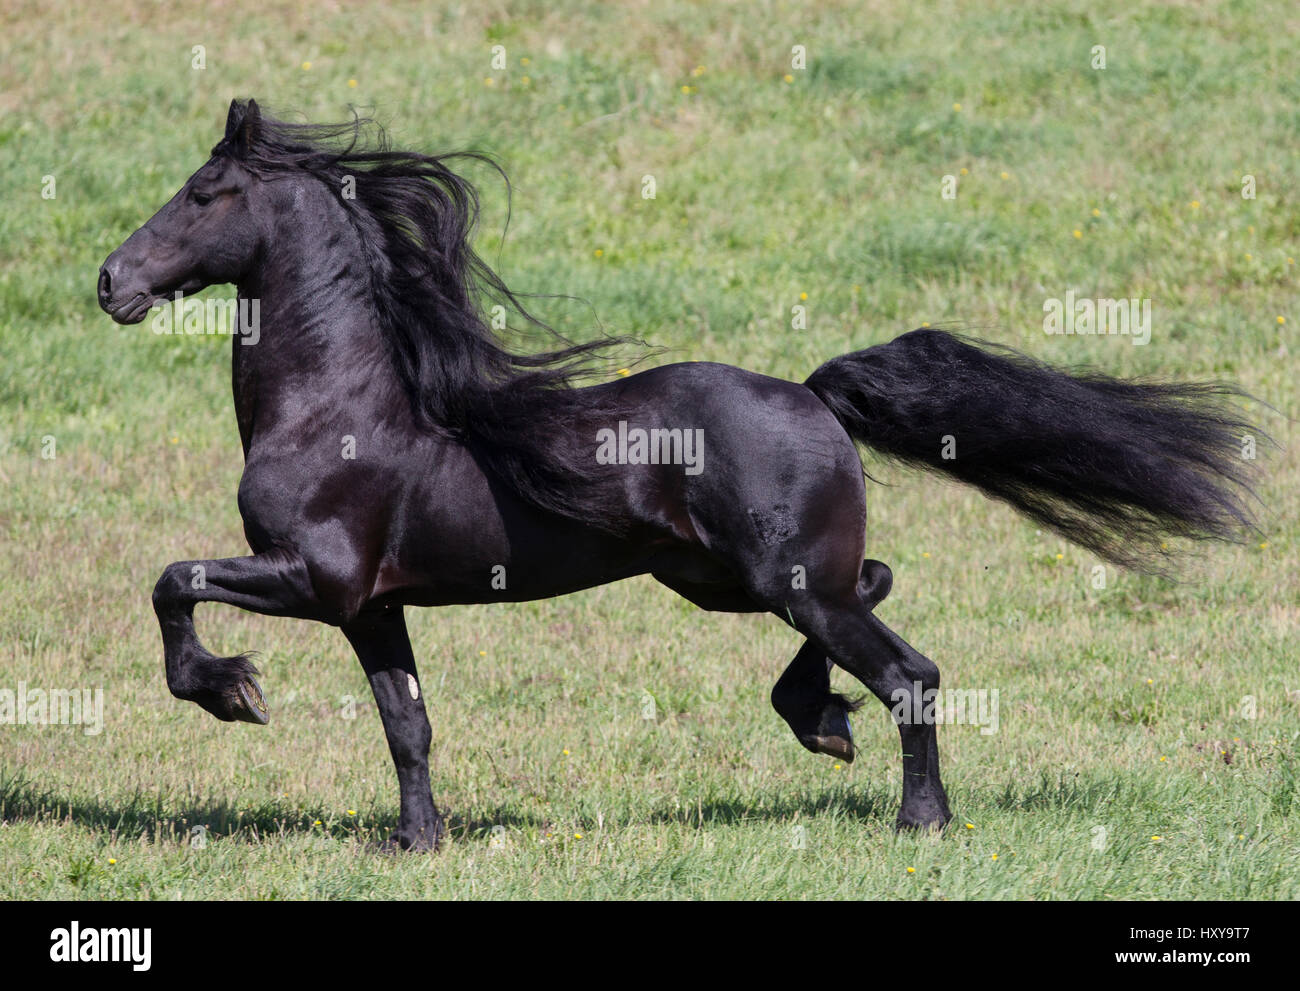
(315, 348)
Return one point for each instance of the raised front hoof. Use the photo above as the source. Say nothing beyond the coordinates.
(241, 702)
(248, 704)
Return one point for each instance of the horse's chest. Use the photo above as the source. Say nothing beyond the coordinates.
(270, 502)
(283, 498)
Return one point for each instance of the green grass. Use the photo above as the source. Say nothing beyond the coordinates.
(1121, 709)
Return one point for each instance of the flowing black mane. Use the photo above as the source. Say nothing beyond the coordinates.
(430, 291)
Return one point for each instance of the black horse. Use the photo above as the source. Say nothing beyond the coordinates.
(398, 453)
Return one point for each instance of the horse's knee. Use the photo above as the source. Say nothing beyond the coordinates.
(875, 582)
(170, 588)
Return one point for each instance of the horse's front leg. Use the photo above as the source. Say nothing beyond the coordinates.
(384, 649)
(275, 583)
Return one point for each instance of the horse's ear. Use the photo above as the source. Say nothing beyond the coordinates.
(242, 123)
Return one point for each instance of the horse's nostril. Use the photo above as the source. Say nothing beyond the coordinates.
(105, 284)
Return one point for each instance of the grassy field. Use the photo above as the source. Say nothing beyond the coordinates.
(1147, 743)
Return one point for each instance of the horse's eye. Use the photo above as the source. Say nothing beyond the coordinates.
(202, 199)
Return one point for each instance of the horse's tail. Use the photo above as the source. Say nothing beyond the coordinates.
(1112, 465)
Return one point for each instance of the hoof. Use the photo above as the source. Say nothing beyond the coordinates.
(832, 746)
(247, 703)
(226, 687)
(932, 823)
(403, 841)
(833, 736)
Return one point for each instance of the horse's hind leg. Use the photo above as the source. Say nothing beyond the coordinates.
(844, 628)
(894, 672)
(803, 697)
(384, 649)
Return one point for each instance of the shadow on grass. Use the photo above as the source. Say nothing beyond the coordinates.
(875, 805)
(164, 818)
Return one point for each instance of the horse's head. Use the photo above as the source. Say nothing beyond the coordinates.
(207, 234)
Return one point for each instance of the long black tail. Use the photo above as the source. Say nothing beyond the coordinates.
(1115, 466)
